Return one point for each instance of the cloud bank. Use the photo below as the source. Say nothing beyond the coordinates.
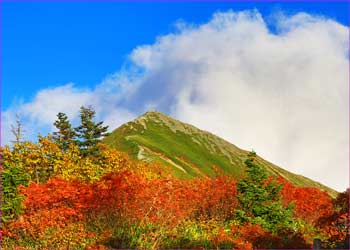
(281, 89)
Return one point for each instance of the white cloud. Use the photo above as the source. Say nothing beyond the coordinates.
(284, 93)
(48, 102)
(38, 115)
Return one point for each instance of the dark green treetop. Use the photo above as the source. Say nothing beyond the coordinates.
(65, 134)
(89, 133)
(260, 200)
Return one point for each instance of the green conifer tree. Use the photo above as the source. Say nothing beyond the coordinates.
(89, 133)
(65, 134)
(260, 201)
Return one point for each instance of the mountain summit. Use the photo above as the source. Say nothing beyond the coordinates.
(189, 151)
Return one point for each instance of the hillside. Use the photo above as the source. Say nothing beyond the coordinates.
(189, 151)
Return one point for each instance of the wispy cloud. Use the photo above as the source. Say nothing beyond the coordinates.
(284, 93)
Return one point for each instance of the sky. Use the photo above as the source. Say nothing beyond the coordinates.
(272, 77)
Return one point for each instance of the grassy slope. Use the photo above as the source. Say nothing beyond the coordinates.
(196, 151)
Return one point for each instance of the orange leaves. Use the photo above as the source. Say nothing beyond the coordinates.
(56, 193)
(310, 203)
(249, 234)
(129, 206)
(336, 225)
(125, 196)
(55, 204)
(217, 197)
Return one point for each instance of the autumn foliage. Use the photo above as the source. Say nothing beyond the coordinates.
(61, 199)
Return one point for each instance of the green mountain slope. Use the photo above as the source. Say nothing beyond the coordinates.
(189, 151)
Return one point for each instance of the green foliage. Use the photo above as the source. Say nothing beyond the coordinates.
(12, 177)
(65, 134)
(260, 200)
(89, 133)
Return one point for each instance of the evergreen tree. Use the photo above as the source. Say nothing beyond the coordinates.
(89, 132)
(260, 201)
(65, 134)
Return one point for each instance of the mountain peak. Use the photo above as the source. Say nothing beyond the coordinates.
(189, 151)
(153, 112)
(154, 116)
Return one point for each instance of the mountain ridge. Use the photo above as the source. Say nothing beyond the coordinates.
(189, 151)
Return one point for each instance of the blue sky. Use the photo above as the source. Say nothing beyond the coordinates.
(50, 44)
(269, 76)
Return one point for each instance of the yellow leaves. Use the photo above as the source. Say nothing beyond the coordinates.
(71, 236)
(44, 159)
(91, 169)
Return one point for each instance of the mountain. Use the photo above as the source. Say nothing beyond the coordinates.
(189, 151)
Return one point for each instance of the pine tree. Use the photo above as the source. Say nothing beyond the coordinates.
(260, 200)
(65, 134)
(89, 133)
